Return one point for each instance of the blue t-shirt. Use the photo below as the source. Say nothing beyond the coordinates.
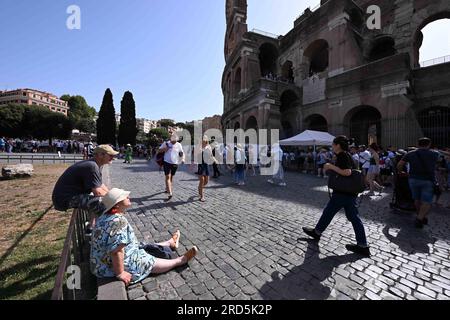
(422, 164)
(109, 233)
(78, 179)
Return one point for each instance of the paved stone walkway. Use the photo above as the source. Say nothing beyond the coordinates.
(251, 244)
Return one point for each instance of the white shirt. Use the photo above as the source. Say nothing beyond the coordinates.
(172, 155)
(365, 159)
(355, 157)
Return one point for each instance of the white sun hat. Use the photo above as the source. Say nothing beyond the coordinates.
(113, 197)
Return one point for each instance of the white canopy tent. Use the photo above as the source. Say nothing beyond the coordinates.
(309, 138)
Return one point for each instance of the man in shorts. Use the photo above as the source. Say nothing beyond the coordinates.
(173, 156)
(81, 186)
(422, 165)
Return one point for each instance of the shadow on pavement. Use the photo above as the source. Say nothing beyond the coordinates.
(409, 239)
(304, 282)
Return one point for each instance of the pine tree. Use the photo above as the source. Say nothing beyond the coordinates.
(106, 122)
(128, 128)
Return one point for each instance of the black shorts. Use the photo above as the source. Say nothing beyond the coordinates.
(170, 168)
(203, 170)
(321, 165)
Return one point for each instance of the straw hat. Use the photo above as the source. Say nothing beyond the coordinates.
(113, 197)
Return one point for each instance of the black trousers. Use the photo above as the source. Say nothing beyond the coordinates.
(216, 170)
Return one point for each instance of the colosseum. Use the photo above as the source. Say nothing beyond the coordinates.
(332, 73)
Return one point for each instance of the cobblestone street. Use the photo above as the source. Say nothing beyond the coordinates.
(252, 247)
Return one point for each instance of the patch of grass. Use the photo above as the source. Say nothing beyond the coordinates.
(33, 237)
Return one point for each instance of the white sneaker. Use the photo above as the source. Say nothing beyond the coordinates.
(282, 184)
(270, 181)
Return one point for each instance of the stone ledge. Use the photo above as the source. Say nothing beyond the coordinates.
(111, 289)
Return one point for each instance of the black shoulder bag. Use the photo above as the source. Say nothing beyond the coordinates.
(353, 184)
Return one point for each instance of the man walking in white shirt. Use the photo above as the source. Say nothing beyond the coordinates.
(364, 158)
(173, 156)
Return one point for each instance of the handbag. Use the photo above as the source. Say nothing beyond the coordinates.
(353, 184)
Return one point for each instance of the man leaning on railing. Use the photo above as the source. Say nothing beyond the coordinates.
(81, 186)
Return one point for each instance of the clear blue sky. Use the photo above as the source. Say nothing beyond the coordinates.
(169, 53)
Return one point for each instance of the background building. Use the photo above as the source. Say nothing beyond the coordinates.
(214, 122)
(331, 73)
(146, 125)
(35, 98)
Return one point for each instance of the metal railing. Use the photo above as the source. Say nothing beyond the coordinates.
(75, 252)
(44, 158)
(311, 9)
(432, 62)
(264, 33)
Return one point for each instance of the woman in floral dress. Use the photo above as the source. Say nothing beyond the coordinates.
(115, 251)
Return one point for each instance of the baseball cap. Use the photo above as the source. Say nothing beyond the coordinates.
(104, 148)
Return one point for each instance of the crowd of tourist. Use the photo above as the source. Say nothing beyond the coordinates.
(116, 251)
(10, 145)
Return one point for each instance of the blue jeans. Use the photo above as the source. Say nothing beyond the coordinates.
(239, 173)
(336, 203)
(422, 190)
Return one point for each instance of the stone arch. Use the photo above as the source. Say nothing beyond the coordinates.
(363, 123)
(435, 124)
(228, 87)
(317, 57)
(356, 18)
(268, 56)
(287, 72)
(316, 122)
(237, 83)
(288, 99)
(251, 123)
(287, 130)
(382, 47)
(417, 40)
(288, 112)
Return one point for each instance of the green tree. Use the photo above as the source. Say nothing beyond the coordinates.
(80, 113)
(21, 121)
(166, 123)
(157, 136)
(106, 122)
(180, 125)
(43, 124)
(11, 118)
(128, 127)
(141, 137)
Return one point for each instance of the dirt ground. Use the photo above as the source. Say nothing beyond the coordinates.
(31, 235)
